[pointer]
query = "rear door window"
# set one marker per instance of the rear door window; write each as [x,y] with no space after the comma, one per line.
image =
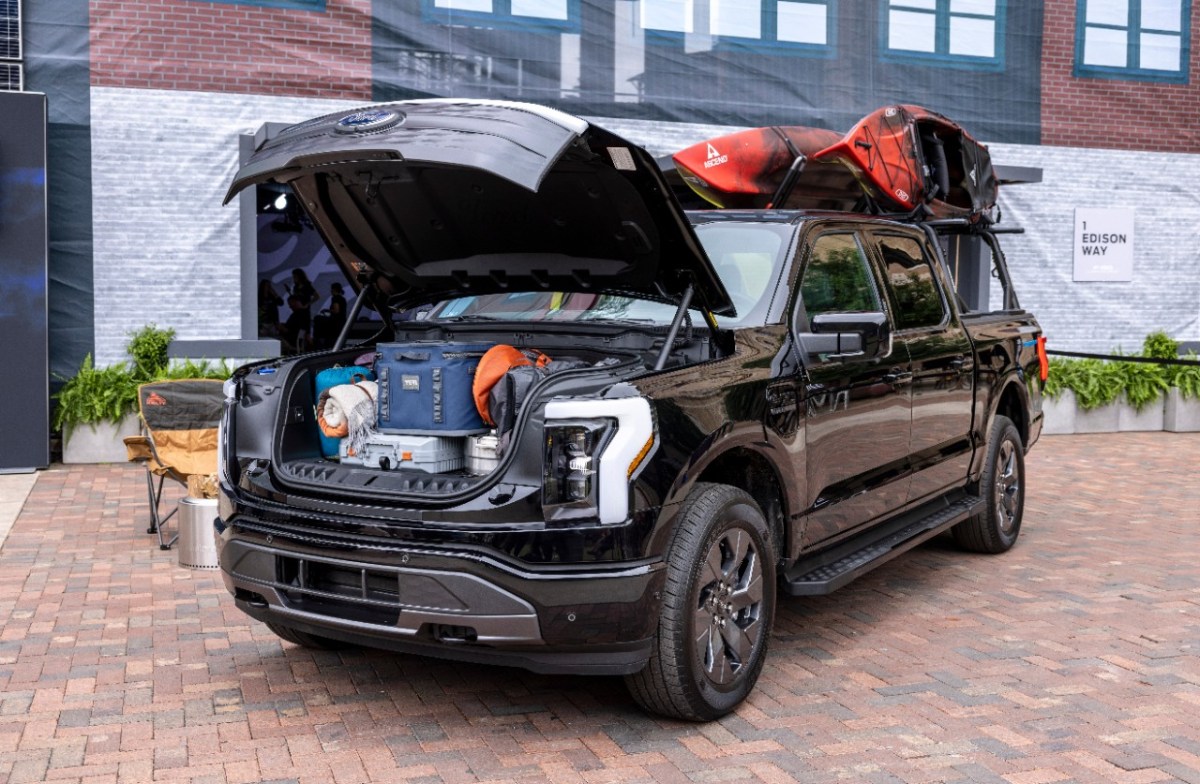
[914,291]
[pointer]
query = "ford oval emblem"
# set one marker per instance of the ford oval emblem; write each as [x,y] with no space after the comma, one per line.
[368,120]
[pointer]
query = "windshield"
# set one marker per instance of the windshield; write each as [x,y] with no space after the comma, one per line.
[746,256]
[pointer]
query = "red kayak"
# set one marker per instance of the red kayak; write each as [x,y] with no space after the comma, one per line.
[745,169]
[899,158]
[906,156]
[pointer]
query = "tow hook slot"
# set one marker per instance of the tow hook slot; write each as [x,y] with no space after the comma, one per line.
[444,632]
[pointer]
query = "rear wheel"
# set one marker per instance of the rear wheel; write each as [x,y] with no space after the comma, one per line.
[304,639]
[995,530]
[718,605]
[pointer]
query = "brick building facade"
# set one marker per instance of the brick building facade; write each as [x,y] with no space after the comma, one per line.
[1104,110]
[229,48]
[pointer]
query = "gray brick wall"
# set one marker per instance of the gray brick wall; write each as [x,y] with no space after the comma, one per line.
[1163,191]
[167,252]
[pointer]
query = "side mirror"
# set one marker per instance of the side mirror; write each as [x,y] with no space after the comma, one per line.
[848,336]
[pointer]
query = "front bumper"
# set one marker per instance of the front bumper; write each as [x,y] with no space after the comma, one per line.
[456,603]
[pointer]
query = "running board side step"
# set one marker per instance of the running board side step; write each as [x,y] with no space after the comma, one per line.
[829,571]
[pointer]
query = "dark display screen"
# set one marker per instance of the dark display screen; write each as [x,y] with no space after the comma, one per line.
[25,442]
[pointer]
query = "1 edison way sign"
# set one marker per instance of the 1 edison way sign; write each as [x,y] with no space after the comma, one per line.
[1103,244]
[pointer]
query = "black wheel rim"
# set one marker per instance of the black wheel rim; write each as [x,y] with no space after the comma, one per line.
[1008,488]
[728,618]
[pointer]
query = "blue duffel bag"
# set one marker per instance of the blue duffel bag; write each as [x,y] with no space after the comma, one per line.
[425,388]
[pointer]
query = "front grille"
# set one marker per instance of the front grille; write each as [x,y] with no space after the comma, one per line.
[338,590]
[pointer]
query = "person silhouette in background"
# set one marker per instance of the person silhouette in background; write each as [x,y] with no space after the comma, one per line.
[296,334]
[268,309]
[303,289]
[337,309]
[327,325]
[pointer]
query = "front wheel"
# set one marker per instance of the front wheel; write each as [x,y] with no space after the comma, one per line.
[718,606]
[995,529]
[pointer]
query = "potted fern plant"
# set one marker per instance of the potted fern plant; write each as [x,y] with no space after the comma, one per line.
[1097,386]
[95,412]
[1099,396]
[1182,411]
[1058,402]
[1143,391]
[1145,385]
[97,407]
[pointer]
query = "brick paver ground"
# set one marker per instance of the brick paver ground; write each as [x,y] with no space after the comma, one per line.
[1075,657]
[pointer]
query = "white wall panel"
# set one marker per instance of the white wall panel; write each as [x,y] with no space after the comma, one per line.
[166,251]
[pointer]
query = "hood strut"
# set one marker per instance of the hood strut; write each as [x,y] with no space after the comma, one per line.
[684,301]
[366,294]
[355,309]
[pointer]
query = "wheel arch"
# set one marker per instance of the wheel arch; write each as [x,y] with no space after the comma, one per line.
[748,469]
[1012,402]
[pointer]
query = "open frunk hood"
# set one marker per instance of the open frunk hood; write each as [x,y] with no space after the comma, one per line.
[451,197]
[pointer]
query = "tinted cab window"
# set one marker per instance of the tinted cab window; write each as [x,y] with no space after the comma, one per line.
[836,278]
[918,302]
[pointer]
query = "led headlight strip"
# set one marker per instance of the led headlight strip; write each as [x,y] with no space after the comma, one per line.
[634,441]
[230,390]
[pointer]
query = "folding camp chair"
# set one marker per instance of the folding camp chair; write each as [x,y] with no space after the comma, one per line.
[178,440]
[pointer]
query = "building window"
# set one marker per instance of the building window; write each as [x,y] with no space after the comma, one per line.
[317,6]
[789,22]
[560,15]
[671,16]
[11,69]
[957,32]
[1132,39]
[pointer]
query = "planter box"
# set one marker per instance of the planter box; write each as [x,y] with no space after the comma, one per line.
[1059,414]
[1105,419]
[1149,418]
[100,443]
[1181,415]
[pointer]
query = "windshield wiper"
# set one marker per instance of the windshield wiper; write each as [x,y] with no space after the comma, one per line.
[473,317]
[636,321]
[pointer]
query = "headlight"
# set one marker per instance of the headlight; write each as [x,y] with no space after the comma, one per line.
[592,449]
[569,463]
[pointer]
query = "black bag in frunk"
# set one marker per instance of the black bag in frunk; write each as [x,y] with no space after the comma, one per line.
[508,395]
[426,388]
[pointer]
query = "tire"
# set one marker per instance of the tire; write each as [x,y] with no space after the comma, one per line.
[306,640]
[995,530]
[718,607]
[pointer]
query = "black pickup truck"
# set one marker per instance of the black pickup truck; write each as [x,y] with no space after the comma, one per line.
[758,401]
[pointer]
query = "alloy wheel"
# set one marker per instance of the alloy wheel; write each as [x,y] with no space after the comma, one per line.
[1008,488]
[728,615]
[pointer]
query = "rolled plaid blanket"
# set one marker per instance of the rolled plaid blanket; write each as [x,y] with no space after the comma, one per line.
[348,411]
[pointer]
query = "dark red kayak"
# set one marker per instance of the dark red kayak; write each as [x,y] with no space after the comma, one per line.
[745,169]
[899,158]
